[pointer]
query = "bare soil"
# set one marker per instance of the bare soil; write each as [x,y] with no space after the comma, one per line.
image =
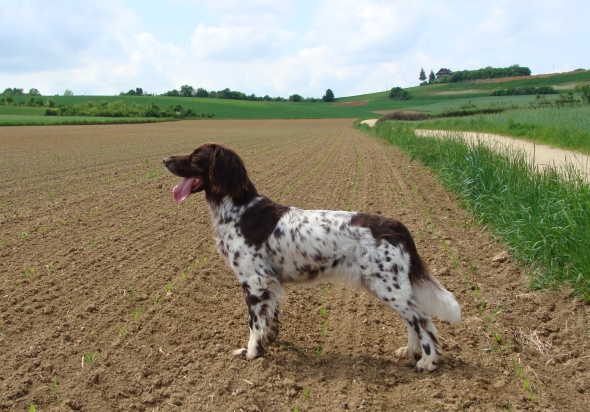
[112,297]
[354,103]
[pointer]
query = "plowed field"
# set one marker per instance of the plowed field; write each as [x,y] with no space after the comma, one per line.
[112,297]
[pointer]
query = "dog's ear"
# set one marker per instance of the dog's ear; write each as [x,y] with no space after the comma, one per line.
[227,173]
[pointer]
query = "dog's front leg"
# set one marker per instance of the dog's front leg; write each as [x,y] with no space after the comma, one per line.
[261,296]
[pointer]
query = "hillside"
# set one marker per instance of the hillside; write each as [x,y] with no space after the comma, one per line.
[432,99]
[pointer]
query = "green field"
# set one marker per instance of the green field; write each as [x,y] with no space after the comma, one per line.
[473,89]
[40,120]
[432,99]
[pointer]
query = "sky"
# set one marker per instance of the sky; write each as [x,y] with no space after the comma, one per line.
[278,47]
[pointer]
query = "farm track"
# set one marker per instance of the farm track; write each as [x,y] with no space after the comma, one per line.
[96,257]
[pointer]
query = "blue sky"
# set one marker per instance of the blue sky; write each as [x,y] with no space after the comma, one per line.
[278,47]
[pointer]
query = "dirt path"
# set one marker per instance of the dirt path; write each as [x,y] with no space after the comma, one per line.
[112,297]
[541,155]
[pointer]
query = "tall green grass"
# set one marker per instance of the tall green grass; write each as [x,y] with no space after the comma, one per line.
[543,215]
[562,127]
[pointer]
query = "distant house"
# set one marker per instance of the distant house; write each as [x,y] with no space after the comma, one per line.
[443,73]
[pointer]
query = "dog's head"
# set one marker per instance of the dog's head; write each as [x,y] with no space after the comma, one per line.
[212,167]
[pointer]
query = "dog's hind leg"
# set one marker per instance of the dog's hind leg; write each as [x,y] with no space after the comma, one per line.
[273,326]
[262,295]
[413,349]
[422,336]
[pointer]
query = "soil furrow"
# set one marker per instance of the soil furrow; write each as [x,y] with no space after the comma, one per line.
[96,258]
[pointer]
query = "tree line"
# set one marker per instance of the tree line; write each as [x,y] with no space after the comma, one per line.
[485,73]
[189,91]
[7,97]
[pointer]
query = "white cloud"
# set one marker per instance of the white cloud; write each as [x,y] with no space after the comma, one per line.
[239,43]
[277,47]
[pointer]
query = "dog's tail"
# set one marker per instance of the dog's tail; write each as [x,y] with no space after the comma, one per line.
[432,297]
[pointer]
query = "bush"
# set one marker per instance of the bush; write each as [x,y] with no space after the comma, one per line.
[403,115]
[397,93]
[584,90]
[50,112]
[295,98]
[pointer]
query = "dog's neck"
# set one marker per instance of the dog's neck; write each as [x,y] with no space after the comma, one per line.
[225,208]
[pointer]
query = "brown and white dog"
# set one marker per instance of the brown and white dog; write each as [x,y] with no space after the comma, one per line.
[267,244]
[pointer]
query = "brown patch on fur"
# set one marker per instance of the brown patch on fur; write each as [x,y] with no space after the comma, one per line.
[259,221]
[396,234]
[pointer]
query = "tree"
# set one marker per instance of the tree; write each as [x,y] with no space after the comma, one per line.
[295,98]
[187,91]
[202,92]
[34,92]
[397,93]
[431,77]
[329,96]
[422,75]
[68,93]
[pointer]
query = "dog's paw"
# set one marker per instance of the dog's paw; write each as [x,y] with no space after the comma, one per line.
[402,353]
[241,353]
[405,352]
[426,365]
[272,335]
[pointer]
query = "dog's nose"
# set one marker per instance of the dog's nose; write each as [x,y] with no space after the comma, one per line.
[166,161]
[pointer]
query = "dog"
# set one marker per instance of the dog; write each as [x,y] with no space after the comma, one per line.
[267,245]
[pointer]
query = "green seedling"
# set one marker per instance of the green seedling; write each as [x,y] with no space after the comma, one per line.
[169,287]
[32,408]
[29,272]
[89,358]
[157,298]
[318,350]
[305,392]
[326,288]
[123,329]
[323,312]
[55,390]
[325,328]
[481,307]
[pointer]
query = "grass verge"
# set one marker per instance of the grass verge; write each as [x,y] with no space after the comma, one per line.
[543,215]
[567,128]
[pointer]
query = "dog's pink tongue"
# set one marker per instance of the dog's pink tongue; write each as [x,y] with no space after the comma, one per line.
[183,190]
